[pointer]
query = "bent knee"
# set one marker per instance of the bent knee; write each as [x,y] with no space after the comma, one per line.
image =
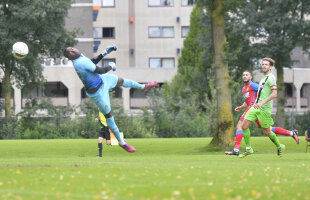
[244,127]
[109,115]
[100,139]
[120,81]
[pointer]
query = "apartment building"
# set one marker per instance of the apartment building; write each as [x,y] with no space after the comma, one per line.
[149,35]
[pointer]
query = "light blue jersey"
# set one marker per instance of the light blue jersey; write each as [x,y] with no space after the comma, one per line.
[85,69]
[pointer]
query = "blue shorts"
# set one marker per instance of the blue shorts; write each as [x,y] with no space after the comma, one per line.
[102,97]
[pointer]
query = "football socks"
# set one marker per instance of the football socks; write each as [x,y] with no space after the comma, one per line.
[280,131]
[247,137]
[100,149]
[274,139]
[115,130]
[132,84]
[239,135]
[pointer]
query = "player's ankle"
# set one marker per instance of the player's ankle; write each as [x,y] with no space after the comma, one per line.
[237,150]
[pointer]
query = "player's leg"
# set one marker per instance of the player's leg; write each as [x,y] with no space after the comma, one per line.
[282,131]
[102,100]
[100,139]
[247,138]
[266,122]
[249,118]
[272,136]
[107,136]
[113,127]
[238,138]
[133,84]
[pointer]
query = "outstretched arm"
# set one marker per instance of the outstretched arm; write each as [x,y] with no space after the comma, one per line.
[97,59]
[103,70]
[108,50]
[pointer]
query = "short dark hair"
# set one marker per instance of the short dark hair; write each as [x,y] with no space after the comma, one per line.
[247,71]
[66,52]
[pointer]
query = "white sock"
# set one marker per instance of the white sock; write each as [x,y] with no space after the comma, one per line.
[237,150]
[122,142]
[291,134]
[248,148]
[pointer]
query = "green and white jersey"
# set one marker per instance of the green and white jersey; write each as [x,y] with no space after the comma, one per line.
[266,85]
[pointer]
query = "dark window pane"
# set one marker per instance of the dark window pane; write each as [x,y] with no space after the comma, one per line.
[108,32]
[55,89]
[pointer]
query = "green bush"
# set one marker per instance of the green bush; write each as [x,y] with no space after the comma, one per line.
[8,126]
[302,122]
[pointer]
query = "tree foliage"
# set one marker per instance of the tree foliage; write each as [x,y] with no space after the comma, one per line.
[41,25]
[276,27]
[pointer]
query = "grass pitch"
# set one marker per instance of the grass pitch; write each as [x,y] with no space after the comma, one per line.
[160,169]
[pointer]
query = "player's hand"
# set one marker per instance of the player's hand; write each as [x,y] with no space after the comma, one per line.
[237,109]
[109,49]
[96,120]
[258,105]
[112,64]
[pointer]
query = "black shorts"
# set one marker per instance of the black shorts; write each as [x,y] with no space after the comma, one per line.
[104,133]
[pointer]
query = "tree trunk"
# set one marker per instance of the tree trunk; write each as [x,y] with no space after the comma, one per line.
[280,116]
[224,131]
[6,88]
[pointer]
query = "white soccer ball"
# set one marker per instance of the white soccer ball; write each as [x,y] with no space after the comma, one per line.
[20,50]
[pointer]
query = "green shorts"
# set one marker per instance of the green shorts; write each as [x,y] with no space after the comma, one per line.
[258,114]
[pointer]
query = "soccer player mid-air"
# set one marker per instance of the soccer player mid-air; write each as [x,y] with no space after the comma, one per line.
[98,84]
[261,109]
[249,92]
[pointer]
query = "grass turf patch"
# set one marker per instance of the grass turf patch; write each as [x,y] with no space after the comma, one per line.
[181,168]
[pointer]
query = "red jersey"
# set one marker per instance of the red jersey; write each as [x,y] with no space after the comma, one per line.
[250,93]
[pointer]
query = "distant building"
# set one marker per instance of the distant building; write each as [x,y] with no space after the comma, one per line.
[149,35]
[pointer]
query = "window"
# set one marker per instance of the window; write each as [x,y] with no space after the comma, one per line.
[161,32]
[32,92]
[160,2]
[105,32]
[55,89]
[104,3]
[155,63]
[166,63]
[288,90]
[105,61]
[188,2]
[185,30]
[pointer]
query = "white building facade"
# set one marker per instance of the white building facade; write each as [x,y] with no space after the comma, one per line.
[149,35]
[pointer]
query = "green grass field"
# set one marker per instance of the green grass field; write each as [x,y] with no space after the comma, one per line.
[160,169]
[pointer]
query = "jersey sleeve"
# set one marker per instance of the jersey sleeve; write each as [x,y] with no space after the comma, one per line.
[254,86]
[272,83]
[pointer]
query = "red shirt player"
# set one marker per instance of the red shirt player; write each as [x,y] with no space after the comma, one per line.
[249,92]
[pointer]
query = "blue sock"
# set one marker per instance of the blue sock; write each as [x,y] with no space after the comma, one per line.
[132,84]
[114,129]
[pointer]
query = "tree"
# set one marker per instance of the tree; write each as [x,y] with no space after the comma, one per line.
[193,66]
[279,26]
[224,132]
[40,24]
